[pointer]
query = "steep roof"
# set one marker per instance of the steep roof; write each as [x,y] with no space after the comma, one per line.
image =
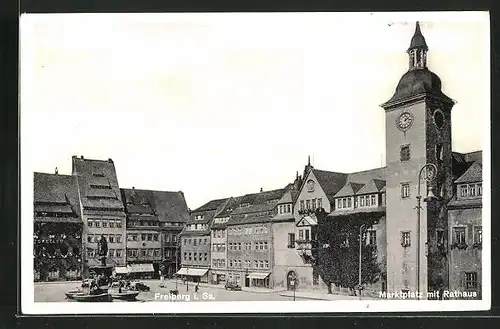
[167,206]
[373,186]
[365,176]
[57,194]
[473,174]
[349,189]
[211,205]
[98,183]
[258,202]
[331,182]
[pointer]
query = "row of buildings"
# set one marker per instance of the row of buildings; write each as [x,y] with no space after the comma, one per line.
[72,212]
[273,238]
[270,239]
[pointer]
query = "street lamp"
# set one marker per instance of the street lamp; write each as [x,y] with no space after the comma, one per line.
[430,175]
[361,228]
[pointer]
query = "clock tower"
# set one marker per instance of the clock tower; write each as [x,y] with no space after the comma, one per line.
[418,132]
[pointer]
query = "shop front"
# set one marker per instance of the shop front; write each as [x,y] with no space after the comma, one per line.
[259,279]
[218,277]
[141,271]
[193,274]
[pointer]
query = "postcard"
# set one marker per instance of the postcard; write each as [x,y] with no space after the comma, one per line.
[255,162]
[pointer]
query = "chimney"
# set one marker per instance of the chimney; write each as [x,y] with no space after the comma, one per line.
[110,161]
[261,190]
[57,171]
[81,157]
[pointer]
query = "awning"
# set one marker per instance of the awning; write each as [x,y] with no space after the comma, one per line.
[192,271]
[92,263]
[258,275]
[121,270]
[136,268]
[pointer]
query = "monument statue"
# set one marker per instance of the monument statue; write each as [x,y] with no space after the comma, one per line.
[102,249]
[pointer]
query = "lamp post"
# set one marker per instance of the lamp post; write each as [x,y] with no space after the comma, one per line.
[430,175]
[361,228]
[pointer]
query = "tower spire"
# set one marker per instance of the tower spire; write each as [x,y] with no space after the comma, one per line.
[418,49]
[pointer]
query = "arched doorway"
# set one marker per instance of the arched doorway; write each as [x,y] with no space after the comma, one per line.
[290,278]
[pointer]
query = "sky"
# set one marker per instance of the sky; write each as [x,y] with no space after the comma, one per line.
[220,105]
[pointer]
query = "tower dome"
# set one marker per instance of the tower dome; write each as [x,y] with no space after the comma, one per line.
[418,80]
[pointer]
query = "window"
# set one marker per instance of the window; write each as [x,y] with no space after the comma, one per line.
[143,252]
[205,240]
[405,190]
[239,245]
[97,223]
[194,242]
[339,203]
[143,237]
[439,152]
[195,256]
[372,237]
[150,237]
[89,238]
[479,189]
[157,252]
[255,264]
[205,256]
[301,235]
[155,237]
[90,252]
[320,203]
[478,234]
[440,238]
[308,204]
[344,203]
[470,280]
[361,201]
[291,240]
[118,239]
[111,223]
[349,202]
[184,241]
[405,239]
[374,202]
[111,238]
[459,235]
[118,252]
[463,190]
[472,190]
[266,264]
[307,235]
[405,153]
[265,245]
[313,202]
[185,256]
[261,264]
[289,208]
[230,263]
[90,223]
[189,256]
[104,223]
[118,223]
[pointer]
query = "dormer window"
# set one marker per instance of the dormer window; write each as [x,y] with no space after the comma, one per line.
[244,205]
[198,217]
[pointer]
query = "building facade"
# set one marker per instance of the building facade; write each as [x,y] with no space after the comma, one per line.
[103,212]
[465,229]
[57,239]
[195,242]
[250,239]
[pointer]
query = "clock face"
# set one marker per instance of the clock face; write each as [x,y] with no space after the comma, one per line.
[404,121]
[439,119]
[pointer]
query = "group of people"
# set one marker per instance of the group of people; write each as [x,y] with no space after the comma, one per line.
[96,283]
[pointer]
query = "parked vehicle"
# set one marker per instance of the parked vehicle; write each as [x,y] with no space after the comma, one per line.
[138,286]
[232,286]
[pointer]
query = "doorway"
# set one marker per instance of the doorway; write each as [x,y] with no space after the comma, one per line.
[289,278]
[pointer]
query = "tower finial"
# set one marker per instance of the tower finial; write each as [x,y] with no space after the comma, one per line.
[308,160]
[418,49]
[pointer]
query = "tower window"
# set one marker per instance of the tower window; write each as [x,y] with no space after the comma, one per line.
[405,153]
[405,239]
[439,152]
[405,190]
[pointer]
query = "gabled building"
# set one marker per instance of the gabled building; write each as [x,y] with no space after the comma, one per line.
[195,242]
[103,212]
[218,241]
[154,220]
[57,231]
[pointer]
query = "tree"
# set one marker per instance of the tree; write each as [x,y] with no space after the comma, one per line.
[338,256]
